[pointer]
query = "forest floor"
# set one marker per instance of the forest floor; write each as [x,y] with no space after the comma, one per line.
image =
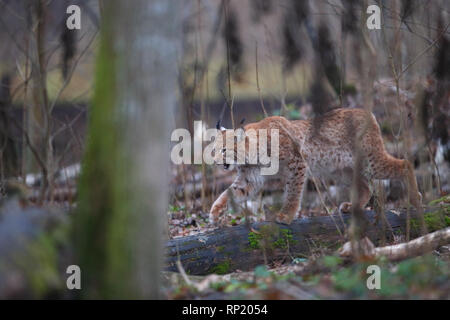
[322,275]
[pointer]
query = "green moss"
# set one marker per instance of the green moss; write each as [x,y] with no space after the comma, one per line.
[286,239]
[407,280]
[104,221]
[271,237]
[444,199]
[331,261]
[220,248]
[40,260]
[435,220]
[253,239]
[264,238]
[222,268]
[44,275]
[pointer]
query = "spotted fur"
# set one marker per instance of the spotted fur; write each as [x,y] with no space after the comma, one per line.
[328,148]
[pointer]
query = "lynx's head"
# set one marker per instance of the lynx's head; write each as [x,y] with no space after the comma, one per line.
[229,147]
[252,145]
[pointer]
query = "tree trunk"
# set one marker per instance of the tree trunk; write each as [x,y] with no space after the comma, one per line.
[123,191]
[8,151]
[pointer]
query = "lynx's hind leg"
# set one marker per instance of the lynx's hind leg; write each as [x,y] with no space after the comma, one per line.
[392,168]
[384,166]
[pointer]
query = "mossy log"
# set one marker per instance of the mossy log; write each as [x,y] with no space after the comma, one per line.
[225,250]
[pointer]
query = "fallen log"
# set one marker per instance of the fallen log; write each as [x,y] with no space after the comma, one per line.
[228,249]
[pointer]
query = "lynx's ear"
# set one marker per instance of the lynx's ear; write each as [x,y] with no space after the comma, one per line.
[218,127]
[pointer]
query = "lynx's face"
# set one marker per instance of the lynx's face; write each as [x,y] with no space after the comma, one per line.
[229,148]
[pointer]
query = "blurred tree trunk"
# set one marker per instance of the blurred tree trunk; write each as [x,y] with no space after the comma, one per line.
[123,190]
[365,59]
[8,154]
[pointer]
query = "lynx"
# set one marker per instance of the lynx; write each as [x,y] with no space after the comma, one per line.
[329,146]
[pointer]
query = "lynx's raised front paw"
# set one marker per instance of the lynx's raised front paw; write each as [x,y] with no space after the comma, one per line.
[215,213]
[283,218]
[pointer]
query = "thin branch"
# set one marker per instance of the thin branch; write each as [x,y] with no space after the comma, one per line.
[257,81]
[423,52]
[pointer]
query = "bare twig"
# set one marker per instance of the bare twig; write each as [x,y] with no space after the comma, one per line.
[257,81]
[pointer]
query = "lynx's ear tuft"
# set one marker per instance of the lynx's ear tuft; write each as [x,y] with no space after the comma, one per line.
[242,121]
[219,127]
